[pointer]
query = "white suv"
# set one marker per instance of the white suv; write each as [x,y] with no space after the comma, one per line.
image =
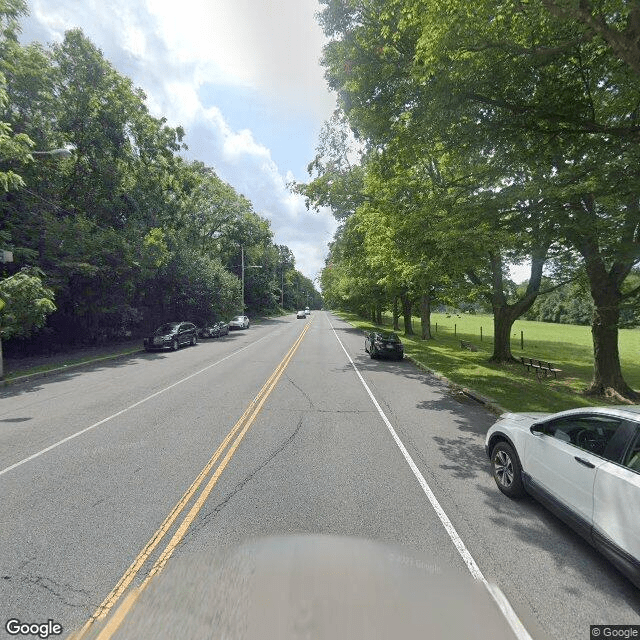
[239,322]
[584,466]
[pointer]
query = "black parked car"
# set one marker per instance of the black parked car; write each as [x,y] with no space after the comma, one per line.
[172,335]
[383,344]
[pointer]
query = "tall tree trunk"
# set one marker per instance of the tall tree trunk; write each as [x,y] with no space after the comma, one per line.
[407,309]
[379,314]
[372,312]
[607,374]
[396,314]
[606,293]
[504,314]
[425,316]
[503,318]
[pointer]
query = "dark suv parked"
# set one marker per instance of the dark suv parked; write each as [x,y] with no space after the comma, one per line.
[172,335]
[383,344]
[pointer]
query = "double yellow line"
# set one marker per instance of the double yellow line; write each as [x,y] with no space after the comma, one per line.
[238,432]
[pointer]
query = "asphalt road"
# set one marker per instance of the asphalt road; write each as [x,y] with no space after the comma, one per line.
[94,462]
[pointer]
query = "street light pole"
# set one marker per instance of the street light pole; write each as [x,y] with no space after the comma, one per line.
[251,266]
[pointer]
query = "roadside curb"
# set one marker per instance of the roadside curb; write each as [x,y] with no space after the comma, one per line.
[489,403]
[67,367]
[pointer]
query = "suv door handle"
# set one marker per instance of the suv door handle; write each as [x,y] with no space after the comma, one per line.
[586,463]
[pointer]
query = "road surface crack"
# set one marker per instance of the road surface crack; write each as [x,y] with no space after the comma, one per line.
[65,593]
[304,393]
[221,505]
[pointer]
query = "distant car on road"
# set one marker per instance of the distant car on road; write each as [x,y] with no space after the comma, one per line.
[239,322]
[307,311]
[383,344]
[584,466]
[301,315]
[172,335]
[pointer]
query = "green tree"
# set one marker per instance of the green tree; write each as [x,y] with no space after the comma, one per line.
[25,304]
[521,74]
[14,146]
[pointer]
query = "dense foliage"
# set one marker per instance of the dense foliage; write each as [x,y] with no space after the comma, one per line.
[488,133]
[125,234]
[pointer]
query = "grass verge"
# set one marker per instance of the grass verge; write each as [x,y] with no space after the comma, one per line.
[569,347]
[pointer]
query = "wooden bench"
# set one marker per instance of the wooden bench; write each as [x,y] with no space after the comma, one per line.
[540,366]
[464,344]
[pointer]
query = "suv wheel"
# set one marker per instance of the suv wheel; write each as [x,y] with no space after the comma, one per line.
[507,471]
[175,344]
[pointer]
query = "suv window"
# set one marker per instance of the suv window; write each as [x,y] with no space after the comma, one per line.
[590,433]
[632,459]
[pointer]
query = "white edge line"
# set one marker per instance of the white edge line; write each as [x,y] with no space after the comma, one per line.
[119,413]
[495,591]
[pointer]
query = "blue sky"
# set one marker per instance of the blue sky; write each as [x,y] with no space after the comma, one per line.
[241,76]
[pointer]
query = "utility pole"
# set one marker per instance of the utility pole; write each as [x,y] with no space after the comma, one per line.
[251,266]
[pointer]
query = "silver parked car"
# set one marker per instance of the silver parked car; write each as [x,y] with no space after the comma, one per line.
[584,466]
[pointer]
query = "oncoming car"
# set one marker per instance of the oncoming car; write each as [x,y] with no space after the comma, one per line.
[383,344]
[301,315]
[584,466]
[172,335]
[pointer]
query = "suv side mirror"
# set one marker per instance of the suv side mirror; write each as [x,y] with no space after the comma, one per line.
[537,427]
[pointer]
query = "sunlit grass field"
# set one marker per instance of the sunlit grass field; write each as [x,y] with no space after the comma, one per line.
[568,347]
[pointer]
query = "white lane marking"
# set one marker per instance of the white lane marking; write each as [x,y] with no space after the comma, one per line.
[495,591]
[133,406]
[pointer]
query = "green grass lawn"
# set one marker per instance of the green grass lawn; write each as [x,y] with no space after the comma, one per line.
[569,347]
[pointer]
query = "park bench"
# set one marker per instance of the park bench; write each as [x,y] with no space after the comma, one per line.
[464,344]
[540,366]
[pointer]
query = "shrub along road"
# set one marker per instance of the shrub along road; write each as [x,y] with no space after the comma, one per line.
[97,463]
